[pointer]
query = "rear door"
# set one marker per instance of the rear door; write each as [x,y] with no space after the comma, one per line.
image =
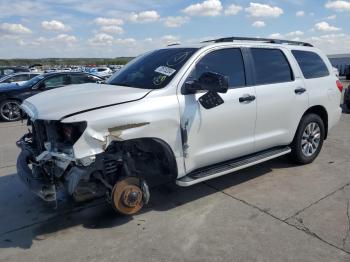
[281,95]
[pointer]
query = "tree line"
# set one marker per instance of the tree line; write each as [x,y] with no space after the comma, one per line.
[65,61]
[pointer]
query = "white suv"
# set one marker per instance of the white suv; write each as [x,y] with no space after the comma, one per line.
[183,113]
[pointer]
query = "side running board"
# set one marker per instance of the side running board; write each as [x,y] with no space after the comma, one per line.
[227,167]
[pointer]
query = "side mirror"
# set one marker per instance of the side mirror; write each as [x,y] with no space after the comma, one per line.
[208,81]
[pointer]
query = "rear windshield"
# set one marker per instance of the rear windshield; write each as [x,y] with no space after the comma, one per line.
[311,64]
[153,70]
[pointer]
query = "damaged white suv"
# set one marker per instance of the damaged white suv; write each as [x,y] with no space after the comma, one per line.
[183,114]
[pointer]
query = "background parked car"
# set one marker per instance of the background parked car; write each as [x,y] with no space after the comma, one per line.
[103,72]
[11,70]
[12,94]
[18,77]
[347,97]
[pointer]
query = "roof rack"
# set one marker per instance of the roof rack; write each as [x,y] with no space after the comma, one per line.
[257,39]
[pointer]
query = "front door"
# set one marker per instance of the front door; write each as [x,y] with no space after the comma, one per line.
[223,132]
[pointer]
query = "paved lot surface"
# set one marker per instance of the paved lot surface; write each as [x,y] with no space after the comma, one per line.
[272,212]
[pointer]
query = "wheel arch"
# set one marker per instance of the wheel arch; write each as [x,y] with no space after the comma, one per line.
[163,152]
[321,112]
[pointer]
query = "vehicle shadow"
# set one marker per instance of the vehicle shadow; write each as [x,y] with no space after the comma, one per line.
[26,219]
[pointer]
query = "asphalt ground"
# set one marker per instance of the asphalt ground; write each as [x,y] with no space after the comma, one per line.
[276,211]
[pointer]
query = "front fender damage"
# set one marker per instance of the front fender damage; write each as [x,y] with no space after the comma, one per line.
[93,176]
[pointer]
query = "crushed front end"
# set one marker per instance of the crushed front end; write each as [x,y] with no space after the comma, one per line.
[46,163]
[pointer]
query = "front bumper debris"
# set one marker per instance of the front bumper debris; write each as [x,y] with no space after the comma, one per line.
[38,184]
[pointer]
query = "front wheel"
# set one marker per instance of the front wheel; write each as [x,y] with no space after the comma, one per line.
[10,110]
[308,140]
[127,196]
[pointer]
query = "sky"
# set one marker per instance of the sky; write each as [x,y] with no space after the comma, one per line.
[114,28]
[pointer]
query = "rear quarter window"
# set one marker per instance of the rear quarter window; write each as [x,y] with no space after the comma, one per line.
[311,64]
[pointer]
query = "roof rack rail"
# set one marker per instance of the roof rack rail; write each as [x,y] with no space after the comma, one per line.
[257,39]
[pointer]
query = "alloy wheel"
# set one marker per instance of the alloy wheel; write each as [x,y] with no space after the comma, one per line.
[311,139]
[10,111]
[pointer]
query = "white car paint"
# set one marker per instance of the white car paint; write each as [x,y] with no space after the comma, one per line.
[74,98]
[225,132]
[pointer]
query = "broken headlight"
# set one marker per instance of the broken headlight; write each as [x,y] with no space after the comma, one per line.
[71,132]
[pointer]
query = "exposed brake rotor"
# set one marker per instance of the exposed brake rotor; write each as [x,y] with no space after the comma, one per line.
[127,196]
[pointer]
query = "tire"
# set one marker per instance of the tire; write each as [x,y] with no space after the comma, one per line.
[10,110]
[308,140]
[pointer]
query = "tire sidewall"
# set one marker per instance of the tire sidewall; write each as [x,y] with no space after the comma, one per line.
[2,103]
[297,150]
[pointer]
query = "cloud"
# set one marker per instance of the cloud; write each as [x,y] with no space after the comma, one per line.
[259,24]
[331,17]
[206,8]
[339,6]
[54,25]
[233,9]
[325,27]
[262,10]
[276,35]
[102,21]
[144,17]
[112,29]
[59,39]
[64,38]
[7,28]
[330,43]
[175,21]
[300,13]
[169,39]
[125,41]
[295,34]
[101,39]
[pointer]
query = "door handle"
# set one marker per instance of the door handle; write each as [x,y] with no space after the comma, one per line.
[246,98]
[299,91]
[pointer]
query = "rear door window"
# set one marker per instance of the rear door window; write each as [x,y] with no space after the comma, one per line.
[311,64]
[271,66]
[55,81]
[18,78]
[82,78]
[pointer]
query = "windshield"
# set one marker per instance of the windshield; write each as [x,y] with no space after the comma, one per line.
[32,81]
[153,70]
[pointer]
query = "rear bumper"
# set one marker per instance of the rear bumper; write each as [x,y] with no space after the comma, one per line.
[36,183]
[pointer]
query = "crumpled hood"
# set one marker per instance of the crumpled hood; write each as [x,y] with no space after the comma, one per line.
[9,87]
[58,103]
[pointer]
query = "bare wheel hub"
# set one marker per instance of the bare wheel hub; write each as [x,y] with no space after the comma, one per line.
[132,196]
[127,196]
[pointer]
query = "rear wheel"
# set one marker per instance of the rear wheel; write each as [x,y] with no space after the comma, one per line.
[127,196]
[309,139]
[10,110]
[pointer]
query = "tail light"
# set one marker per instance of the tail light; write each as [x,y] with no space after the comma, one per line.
[340,86]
